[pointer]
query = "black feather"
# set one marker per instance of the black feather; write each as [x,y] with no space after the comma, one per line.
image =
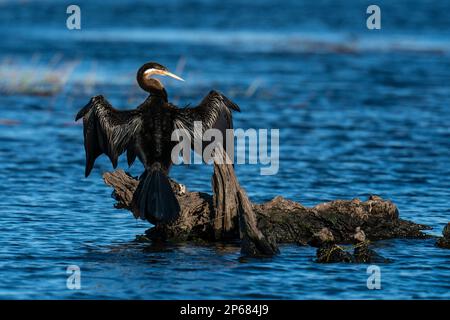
[214,111]
[155,198]
[107,130]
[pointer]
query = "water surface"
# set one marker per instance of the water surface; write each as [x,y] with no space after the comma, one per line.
[360,112]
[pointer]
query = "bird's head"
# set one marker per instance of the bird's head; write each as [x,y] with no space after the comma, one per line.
[148,83]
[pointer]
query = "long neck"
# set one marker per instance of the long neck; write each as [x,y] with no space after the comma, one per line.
[153,100]
[162,94]
[153,86]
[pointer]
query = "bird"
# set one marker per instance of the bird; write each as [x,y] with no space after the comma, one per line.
[145,132]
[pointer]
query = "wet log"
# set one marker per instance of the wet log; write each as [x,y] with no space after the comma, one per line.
[230,201]
[228,214]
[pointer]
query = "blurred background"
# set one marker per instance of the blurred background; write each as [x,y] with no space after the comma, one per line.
[359,111]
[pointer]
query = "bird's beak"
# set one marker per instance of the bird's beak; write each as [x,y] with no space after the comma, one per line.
[170,74]
[149,72]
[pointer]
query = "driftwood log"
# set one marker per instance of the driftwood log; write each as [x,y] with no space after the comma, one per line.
[444,241]
[229,215]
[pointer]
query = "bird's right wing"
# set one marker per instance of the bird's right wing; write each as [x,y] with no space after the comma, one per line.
[107,130]
[213,112]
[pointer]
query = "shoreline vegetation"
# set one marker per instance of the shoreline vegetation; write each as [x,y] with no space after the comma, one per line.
[228,215]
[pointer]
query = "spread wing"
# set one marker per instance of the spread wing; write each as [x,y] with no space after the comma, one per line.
[107,130]
[214,112]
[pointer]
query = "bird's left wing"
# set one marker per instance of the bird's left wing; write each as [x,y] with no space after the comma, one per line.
[214,112]
[107,130]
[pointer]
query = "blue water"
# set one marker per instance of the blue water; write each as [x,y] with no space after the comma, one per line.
[359,112]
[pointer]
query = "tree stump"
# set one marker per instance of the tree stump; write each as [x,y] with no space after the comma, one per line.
[231,202]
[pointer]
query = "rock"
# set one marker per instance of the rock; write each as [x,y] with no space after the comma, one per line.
[331,253]
[142,238]
[322,238]
[444,242]
[363,254]
[446,231]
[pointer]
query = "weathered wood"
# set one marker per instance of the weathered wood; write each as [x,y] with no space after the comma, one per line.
[225,200]
[277,221]
[225,216]
[196,209]
[231,202]
[289,221]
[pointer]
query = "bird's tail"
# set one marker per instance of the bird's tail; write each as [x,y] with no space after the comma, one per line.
[154,197]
